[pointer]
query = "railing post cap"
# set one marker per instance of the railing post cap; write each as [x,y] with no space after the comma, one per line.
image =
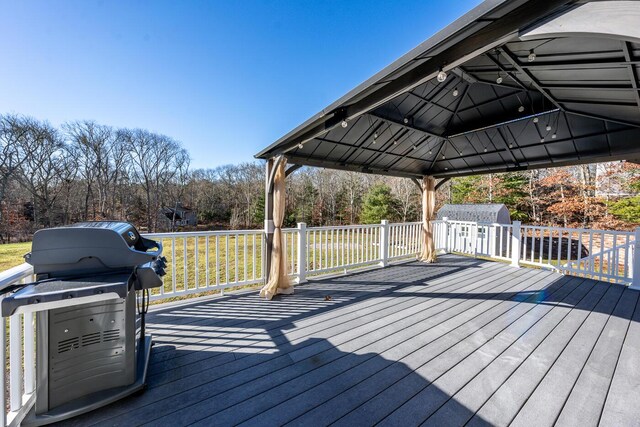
[302,224]
[384,222]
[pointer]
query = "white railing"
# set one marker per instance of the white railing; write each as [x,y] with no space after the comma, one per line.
[608,264]
[342,248]
[597,254]
[212,260]
[18,376]
[200,262]
[404,240]
[331,249]
[477,239]
[206,261]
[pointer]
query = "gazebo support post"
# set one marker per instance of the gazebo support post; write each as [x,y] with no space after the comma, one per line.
[428,207]
[275,274]
[268,218]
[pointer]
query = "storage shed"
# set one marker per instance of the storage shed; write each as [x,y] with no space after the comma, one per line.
[483,239]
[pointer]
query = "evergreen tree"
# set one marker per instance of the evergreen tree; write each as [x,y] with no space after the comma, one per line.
[258,210]
[377,205]
[512,191]
[627,209]
[468,190]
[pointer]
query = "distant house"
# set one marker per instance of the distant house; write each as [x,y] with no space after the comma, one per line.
[178,215]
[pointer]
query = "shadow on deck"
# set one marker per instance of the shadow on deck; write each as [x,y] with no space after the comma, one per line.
[460,341]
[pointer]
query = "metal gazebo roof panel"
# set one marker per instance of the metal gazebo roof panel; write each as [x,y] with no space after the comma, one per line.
[536,94]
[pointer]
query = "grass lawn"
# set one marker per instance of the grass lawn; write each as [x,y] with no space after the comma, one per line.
[236,264]
[230,260]
[227,260]
[12,254]
[186,273]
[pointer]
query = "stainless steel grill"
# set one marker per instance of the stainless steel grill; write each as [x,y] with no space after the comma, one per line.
[85,304]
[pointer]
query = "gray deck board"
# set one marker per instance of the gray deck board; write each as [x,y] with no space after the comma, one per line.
[321,357]
[374,398]
[584,405]
[554,389]
[458,341]
[305,328]
[506,401]
[314,385]
[343,392]
[383,300]
[463,362]
[621,405]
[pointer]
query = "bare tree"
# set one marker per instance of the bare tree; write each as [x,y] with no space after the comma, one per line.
[92,144]
[156,160]
[407,197]
[587,174]
[14,149]
[354,186]
[120,182]
[47,171]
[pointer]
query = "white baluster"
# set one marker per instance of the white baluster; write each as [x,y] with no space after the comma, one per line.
[515,244]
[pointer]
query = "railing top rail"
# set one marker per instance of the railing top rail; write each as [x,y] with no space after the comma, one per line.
[344,227]
[203,233]
[545,227]
[578,230]
[12,275]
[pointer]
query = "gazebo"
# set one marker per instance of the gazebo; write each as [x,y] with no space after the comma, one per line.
[512,85]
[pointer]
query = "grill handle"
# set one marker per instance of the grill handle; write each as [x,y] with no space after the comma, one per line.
[150,244]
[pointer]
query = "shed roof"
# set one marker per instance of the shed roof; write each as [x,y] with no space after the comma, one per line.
[577,102]
[475,207]
[480,212]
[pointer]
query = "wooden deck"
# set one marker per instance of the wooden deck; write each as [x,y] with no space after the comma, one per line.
[459,342]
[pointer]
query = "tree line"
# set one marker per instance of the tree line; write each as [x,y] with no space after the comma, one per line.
[83,171]
[86,171]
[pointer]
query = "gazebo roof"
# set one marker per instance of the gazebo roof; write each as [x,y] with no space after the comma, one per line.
[575,100]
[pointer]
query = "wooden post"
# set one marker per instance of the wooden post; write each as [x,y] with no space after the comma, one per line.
[302,252]
[384,242]
[515,244]
[635,279]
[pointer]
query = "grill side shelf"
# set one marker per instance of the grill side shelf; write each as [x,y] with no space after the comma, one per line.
[53,293]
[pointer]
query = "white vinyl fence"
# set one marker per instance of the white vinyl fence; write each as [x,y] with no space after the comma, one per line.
[216,260]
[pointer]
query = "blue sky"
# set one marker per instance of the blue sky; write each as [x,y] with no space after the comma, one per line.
[225,78]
